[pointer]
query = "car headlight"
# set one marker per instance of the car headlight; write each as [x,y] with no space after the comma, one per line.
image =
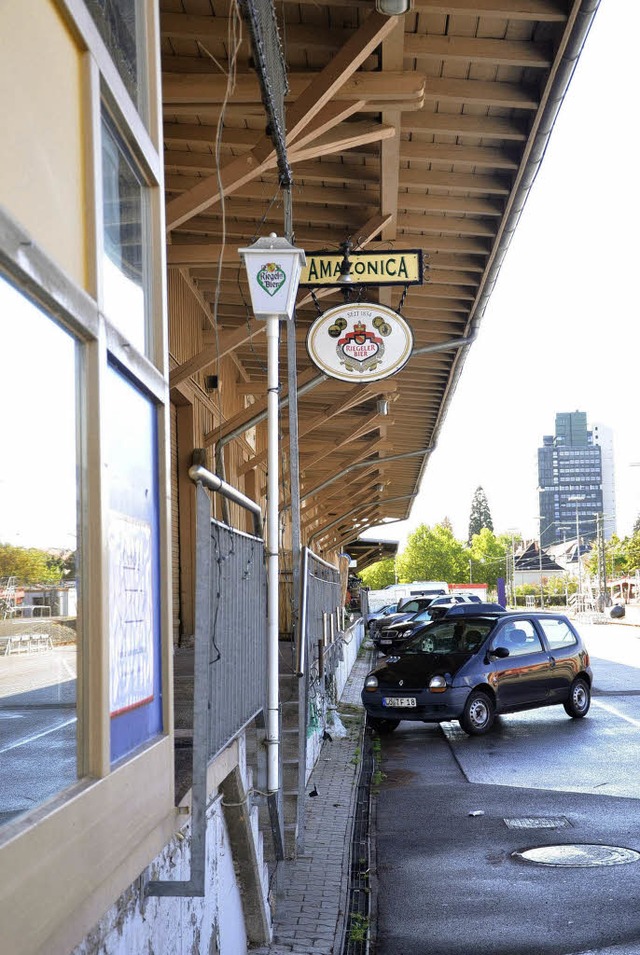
[437,684]
[371,683]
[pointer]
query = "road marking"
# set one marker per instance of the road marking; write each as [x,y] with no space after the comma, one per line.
[615,712]
[32,739]
[70,670]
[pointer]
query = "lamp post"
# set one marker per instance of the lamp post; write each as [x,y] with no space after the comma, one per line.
[577,500]
[273,269]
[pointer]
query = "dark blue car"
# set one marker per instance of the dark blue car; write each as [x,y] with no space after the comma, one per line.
[470,667]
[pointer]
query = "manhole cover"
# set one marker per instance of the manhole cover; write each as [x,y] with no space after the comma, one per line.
[578,855]
[537,822]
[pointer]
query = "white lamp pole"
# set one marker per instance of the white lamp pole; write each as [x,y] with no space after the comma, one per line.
[273,268]
[576,500]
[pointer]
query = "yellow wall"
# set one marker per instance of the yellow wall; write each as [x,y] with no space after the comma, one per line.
[41,147]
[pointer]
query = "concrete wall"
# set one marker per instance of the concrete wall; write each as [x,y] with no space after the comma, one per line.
[212,925]
[325,707]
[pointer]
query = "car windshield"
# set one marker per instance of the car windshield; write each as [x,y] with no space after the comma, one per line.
[422,615]
[448,636]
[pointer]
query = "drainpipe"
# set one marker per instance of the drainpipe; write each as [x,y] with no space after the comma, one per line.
[258,419]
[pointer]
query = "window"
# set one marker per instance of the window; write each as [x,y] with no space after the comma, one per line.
[134,589]
[125,239]
[558,633]
[38,547]
[120,24]
[519,637]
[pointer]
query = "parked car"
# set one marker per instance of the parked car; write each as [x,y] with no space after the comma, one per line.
[471,666]
[394,635]
[406,609]
[381,612]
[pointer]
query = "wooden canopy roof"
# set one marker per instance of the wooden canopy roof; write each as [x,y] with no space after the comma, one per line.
[420,131]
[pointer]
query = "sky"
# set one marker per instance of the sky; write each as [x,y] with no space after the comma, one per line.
[561,330]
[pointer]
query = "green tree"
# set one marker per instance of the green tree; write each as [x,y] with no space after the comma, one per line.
[433,554]
[29,565]
[616,560]
[378,575]
[632,552]
[480,516]
[488,558]
[636,527]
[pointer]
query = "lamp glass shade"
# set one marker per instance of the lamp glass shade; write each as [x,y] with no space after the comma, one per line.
[273,269]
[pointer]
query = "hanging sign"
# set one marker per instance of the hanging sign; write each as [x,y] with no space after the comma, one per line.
[360,342]
[367,268]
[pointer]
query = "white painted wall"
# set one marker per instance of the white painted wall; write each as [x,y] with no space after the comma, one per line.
[213,925]
[351,641]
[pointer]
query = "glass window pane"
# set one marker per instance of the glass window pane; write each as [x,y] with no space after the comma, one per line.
[38,583]
[134,577]
[120,24]
[124,201]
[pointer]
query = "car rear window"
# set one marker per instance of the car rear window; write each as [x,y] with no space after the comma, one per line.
[558,633]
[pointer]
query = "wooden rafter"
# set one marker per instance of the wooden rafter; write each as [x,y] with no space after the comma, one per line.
[311,100]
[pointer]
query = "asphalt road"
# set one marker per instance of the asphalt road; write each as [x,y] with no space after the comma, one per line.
[37,728]
[452,811]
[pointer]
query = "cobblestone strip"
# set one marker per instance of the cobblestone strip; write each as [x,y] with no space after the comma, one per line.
[311,915]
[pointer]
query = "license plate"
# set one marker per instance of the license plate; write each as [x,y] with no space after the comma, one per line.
[385,643]
[399,701]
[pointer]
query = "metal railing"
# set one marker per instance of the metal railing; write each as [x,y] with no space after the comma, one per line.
[230,667]
[321,610]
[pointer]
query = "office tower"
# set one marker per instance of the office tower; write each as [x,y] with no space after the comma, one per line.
[603,437]
[570,479]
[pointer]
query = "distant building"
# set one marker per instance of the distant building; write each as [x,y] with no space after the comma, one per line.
[603,437]
[575,477]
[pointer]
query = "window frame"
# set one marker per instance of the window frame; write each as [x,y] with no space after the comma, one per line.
[97,816]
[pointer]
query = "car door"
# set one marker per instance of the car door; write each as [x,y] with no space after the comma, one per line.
[564,655]
[524,677]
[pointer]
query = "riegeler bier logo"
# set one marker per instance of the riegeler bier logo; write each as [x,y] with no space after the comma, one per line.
[271,277]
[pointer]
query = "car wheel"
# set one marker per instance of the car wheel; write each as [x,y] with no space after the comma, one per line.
[579,700]
[479,713]
[381,725]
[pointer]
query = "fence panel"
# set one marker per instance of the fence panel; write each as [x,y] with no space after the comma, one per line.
[233,607]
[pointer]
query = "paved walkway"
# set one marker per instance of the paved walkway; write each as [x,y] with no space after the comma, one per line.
[313,889]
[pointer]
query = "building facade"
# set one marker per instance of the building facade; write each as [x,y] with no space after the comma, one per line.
[571,482]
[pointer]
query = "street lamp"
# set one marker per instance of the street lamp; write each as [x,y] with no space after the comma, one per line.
[577,499]
[273,269]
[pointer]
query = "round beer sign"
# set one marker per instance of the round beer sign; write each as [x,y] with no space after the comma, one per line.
[361,341]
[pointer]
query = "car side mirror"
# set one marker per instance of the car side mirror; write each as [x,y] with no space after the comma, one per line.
[500,652]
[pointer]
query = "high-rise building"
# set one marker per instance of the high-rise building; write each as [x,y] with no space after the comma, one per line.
[572,486]
[603,437]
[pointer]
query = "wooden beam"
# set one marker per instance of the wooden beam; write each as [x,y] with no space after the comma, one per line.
[207,28]
[245,416]
[464,124]
[547,11]
[477,50]
[316,94]
[447,225]
[227,342]
[346,136]
[508,95]
[369,424]
[481,157]
[469,205]
[210,89]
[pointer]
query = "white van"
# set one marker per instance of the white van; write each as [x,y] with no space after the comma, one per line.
[376,599]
